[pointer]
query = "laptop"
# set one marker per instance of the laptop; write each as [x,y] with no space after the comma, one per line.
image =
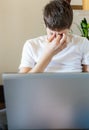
[47,100]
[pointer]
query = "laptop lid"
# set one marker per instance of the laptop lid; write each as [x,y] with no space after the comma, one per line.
[47,100]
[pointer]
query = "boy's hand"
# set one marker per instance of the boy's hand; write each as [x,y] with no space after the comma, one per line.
[51,38]
[56,44]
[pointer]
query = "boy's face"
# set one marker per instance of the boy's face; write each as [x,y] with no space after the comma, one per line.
[56,33]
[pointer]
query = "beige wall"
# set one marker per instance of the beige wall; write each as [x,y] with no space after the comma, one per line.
[76,2]
[19,21]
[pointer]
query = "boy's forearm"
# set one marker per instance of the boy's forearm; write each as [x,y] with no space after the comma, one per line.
[42,64]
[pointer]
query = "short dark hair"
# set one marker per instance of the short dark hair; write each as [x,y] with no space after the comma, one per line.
[58,15]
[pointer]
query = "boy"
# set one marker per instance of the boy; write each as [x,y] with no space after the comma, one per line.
[59,51]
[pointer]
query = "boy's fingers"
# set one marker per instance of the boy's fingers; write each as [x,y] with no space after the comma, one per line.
[51,38]
[63,39]
[58,39]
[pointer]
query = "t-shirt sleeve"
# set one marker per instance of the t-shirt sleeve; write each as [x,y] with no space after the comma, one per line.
[27,59]
[85,60]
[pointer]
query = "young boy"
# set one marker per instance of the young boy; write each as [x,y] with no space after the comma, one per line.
[59,51]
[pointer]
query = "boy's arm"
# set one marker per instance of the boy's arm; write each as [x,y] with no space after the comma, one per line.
[85,68]
[40,66]
[25,70]
[52,49]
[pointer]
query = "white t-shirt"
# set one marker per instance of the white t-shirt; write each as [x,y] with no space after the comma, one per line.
[68,60]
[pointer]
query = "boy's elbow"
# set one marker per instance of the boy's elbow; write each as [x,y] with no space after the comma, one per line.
[25,70]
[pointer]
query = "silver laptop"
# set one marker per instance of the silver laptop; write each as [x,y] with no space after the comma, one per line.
[47,100]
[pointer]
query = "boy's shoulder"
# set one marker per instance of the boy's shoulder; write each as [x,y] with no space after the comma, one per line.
[36,42]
